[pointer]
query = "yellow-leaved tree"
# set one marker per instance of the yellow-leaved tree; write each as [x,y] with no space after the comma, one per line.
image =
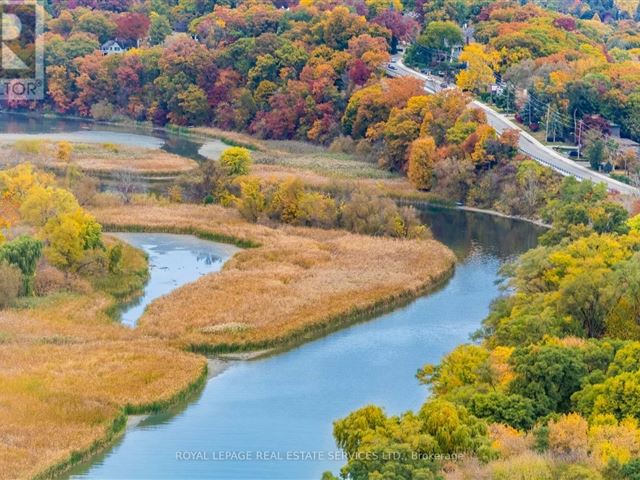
[422,157]
[479,72]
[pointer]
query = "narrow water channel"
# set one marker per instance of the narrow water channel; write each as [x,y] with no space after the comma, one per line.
[15,126]
[272,418]
[174,260]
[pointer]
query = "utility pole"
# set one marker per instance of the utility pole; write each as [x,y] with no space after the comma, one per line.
[546,137]
[580,138]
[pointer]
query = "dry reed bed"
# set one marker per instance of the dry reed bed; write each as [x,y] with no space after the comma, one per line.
[298,282]
[69,374]
[61,402]
[396,187]
[94,158]
[107,158]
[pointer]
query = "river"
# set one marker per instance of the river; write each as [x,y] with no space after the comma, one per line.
[273,416]
[15,127]
[174,260]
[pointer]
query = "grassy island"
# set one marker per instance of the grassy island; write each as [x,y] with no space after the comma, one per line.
[70,372]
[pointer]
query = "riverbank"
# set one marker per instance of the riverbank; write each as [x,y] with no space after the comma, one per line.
[94,158]
[299,282]
[70,374]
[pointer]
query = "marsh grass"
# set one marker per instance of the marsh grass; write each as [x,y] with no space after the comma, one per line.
[98,159]
[69,374]
[297,284]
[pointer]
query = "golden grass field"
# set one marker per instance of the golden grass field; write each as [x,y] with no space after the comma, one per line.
[100,158]
[69,373]
[299,282]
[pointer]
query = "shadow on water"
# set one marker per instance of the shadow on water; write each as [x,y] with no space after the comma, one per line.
[173,143]
[287,402]
[462,231]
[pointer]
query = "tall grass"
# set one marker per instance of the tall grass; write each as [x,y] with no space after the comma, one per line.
[298,283]
[69,374]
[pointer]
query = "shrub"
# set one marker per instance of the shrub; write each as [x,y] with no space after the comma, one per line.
[102,111]
[115,258]
[343,145]
[107,199]
[236,161]
[317,210]
[30,147]
[49,280]
[568,437]
[251,203]
[380,216]
[10,284]
[524,467]
[508,441]
[285,201]
[64,151]
[577,472]
[175,194]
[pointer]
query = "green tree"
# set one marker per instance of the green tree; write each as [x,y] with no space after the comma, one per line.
[497,407]
[595,149]
[404,447]
[548,375]
[159,28]
[584,298]
[23,252]
[194,105]
[437,41]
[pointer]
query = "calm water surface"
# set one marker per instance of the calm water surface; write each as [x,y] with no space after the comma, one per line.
[286,403]
[15,126]
[174,260]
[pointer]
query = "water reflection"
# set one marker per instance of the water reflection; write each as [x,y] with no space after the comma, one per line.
[463,231]
[287,402]
[19,124]
[174,260]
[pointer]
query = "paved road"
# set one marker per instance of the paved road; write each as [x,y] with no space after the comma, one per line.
[528,144]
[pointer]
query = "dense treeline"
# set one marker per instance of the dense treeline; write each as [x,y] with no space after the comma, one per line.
[554,378]
[578,68]
[314,71]
[280,73]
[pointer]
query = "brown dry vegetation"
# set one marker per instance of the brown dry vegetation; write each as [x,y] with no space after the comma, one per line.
[59,399]
[69,373]
[102,158]
[299,282]
[394,187]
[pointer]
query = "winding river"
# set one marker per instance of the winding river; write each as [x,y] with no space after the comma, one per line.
[15,127]
[271,418]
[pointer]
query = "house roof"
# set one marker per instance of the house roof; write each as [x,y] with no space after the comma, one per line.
[110,43]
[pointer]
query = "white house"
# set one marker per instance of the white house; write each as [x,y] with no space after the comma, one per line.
[111,47]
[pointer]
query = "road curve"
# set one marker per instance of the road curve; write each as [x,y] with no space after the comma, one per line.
[529,145]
